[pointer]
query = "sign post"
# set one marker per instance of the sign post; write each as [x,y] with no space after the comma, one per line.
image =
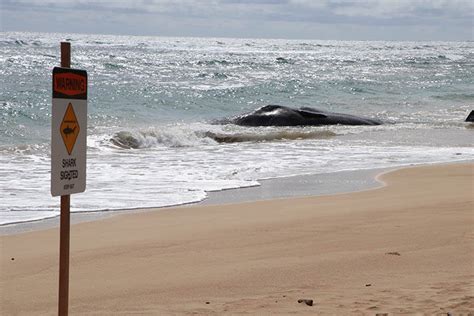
[68,153]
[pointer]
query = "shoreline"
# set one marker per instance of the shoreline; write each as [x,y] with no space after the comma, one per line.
[332,183]
[275,188]
[403,248]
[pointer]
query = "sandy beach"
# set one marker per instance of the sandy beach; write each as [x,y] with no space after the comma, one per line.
[404,248]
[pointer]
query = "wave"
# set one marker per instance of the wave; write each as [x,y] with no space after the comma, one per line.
[213,62]
[282,60]
[142,139]
[20,42]
[270,136]
[166,137]
[175,137]
[97,42]
[26,149]
[113,66]
[434,59]
[215,75]
[423,46]
[456,96]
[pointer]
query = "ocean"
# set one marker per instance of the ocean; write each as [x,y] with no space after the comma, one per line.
[153,102]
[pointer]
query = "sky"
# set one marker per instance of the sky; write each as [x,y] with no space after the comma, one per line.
[429,20]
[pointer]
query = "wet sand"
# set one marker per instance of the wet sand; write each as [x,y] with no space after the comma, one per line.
[407,247]
[275,188]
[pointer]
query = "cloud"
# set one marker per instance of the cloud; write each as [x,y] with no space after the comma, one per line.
[233,16]
[347,8]
[405,8]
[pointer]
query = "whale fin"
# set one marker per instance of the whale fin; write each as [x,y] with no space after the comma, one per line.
[470,117]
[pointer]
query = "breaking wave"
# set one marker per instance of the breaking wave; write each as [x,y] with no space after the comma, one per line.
[175,137]
[157,138]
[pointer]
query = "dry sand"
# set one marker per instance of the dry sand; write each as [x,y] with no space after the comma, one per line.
[404,248]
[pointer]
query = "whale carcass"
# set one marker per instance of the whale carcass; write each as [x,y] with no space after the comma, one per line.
[278,115]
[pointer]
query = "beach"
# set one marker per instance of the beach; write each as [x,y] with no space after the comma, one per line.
[405,247]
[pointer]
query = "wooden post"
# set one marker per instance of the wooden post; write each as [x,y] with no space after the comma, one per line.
[64,229]
[66,54]
[64,256]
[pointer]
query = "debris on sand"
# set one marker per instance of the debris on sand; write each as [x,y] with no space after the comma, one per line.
[306,301]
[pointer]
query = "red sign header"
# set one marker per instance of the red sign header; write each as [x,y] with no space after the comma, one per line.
[69,83]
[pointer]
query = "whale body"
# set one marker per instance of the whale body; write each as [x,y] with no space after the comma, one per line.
[278,115]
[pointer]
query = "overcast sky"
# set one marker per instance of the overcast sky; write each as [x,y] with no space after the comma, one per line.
[303,19]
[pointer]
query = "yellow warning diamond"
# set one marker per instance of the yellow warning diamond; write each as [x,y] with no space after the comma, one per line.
[69,128]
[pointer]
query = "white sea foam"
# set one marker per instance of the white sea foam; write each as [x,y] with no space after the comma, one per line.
[166,174]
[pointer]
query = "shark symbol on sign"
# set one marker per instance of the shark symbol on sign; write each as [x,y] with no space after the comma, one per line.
[69,128]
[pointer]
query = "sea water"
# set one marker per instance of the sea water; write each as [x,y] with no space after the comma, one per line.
[153,102]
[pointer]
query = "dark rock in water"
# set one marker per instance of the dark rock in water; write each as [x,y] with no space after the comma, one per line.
[208,302]
[278,115]
[470,117]
[306,301]
[368,284]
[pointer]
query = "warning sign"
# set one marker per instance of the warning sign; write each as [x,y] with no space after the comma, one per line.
[68,132]
[69,128]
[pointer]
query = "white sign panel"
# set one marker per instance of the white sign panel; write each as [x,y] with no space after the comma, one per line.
[68,131]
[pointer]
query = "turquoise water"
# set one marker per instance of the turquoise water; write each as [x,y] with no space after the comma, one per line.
[162,94]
